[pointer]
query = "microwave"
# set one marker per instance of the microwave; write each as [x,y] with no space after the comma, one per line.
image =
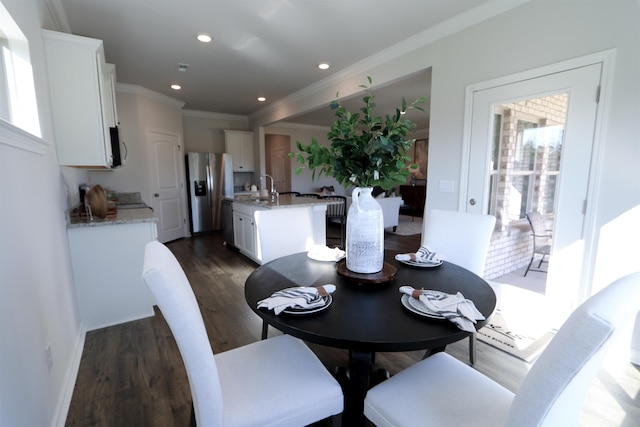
[116,154]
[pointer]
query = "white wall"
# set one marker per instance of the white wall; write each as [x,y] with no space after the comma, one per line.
[37,298]
[204,132]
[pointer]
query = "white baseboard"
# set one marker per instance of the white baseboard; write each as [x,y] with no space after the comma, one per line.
[64,401]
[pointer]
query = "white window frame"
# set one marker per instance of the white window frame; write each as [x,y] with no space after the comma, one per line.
[20,107]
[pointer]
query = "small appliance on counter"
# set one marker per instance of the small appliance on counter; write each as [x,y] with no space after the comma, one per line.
[83,190]
[95,204]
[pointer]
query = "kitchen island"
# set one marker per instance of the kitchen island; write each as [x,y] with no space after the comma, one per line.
[107,257]
[245,233]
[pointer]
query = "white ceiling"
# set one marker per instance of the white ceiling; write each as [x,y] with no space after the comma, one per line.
[265,48]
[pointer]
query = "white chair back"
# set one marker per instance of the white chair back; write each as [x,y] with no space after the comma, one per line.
[169,285]
[284,232]
[461,238]
[443,391]
[555,388]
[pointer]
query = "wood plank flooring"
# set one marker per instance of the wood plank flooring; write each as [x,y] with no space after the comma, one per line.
[132,374]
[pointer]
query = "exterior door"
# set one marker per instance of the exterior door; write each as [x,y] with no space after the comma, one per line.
[166,170]
[544,164]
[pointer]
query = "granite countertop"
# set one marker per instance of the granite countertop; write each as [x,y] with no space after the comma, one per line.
[123,216]
[285,201]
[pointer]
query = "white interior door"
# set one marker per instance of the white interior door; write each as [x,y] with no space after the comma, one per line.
[278,163]
[579,86]
[167,171]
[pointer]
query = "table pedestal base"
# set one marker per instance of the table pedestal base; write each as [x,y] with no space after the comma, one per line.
[356,380]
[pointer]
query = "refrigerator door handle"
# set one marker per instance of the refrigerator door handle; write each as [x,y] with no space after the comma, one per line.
[209,183]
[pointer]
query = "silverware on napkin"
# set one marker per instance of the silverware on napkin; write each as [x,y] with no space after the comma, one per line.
[300,297]
[424,255]
[455,308]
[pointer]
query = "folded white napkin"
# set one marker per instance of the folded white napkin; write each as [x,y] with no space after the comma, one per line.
[456,308]
[424,254]
[298,297]
[325,253]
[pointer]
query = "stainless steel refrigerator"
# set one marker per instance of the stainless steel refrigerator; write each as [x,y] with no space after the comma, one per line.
[210,180]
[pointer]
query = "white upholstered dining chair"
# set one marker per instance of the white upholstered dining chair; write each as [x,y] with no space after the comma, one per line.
[283,232]
[443,391]
[463,239]
[274,382]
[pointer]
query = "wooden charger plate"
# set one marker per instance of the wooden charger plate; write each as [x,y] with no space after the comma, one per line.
[387,274]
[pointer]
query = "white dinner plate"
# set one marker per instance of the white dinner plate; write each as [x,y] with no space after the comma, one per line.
[297,311]
[416,306]
[422,264]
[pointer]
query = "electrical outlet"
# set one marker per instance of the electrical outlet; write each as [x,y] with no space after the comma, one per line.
[49,357]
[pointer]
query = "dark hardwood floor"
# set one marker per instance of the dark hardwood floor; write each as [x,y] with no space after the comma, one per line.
[132,374]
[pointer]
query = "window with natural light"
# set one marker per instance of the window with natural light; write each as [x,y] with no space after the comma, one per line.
[526,154]
[18,104]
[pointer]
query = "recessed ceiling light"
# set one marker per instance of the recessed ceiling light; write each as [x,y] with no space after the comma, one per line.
[262,98]
[204,37]
[324,65]
[176,87]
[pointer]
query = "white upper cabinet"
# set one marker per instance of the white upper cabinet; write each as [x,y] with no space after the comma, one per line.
[81,85]
[240,145]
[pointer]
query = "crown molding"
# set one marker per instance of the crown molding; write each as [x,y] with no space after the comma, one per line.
[214,116]
[139,90]
[302,126]
[458,23]
[58,15]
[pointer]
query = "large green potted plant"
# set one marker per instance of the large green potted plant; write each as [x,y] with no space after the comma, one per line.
[366,150]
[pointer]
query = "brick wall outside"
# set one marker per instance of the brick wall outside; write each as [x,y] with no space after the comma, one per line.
[509,250]
[511,243]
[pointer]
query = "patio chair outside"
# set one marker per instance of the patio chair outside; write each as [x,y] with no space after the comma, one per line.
[541,239]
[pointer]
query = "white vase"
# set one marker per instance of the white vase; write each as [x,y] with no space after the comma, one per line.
[365,233]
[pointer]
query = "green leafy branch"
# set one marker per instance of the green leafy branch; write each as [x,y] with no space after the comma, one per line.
[366,150]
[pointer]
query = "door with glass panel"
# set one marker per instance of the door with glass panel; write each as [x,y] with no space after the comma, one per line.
[530,150]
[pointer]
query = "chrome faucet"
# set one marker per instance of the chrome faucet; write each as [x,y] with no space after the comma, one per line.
[273,192]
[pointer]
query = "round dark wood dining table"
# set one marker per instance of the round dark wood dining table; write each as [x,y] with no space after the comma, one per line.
[366,318]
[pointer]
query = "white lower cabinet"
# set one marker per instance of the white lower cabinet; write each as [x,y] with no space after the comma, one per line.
[245,234]
[107,267]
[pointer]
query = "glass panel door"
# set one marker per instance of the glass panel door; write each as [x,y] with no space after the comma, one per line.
[526,152]
[530,150]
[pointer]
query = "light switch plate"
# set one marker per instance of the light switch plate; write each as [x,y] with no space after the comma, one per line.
[446,186]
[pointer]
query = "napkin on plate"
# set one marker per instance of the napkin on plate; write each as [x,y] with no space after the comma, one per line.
[422,255]
[325,253]
[299,297]
[456,308]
